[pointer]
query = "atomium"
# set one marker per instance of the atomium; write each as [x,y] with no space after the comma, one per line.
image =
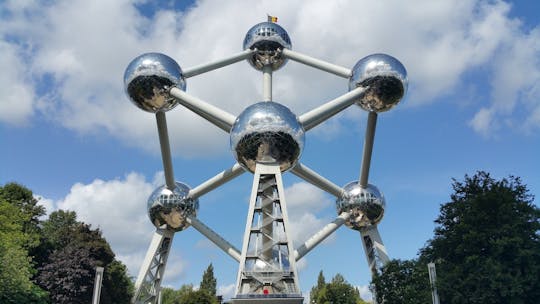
[268,39]
[385,79]
[366,205]
[267,132]
[171,208]
[148,79]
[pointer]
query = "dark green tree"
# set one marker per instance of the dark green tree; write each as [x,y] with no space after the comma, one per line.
[403,282]
[208,281]
[74,250]
[487,243]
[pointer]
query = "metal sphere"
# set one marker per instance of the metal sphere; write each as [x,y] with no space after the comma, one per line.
[171,208]
[148,79]
[366,205]
[385,79]
[267,132]
[269,39]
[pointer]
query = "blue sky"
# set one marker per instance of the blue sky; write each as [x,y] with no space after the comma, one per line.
[69,133]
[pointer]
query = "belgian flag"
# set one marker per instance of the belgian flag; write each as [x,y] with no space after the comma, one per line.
[272,19]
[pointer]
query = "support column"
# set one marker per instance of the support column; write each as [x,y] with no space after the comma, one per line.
[148,284]
[267,270]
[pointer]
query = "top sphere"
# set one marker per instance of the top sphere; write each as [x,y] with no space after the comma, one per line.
[269,39]
[366,205]
[267,132]
[148,79]
[385,79]
[171,208]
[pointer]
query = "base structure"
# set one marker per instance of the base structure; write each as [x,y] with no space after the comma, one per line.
[148,284]
[267,270]
[375,252]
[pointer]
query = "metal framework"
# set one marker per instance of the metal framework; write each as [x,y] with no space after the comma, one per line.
[267,261]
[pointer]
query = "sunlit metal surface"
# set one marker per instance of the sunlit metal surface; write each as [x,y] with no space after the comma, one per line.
[267,132]
[268,38]
[366,205]
[386,80]
[147,81]
[171,208]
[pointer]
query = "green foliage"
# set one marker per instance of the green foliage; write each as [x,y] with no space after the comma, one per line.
[208,281]
[403,282]
[74,250]
[198,297]
[187,295]
[15,264]
[486,244]
[338,291]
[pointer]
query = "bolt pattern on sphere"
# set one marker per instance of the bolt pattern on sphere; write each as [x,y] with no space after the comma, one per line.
[385,79]
[269,39]
[366,205]
[148,79]
[171,208]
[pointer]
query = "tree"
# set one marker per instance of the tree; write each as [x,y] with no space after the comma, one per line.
[198,297]
[338,291]
[403,282]
[74,250]
[208,281]
[15,264]
[171,296]
[487,243]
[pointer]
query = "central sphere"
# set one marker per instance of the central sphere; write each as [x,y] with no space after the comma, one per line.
[171,208]
[267,132]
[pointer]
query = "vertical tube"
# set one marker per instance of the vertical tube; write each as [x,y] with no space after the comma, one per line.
[97,285]
[267,83]
[165,150]
[368,148]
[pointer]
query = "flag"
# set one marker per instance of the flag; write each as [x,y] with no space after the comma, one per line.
[272,19]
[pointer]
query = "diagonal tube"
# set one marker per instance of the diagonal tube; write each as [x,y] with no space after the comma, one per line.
[329,109]
[214,237]
[315,179]
[317,63]
[165,150]
[203,68]
[213,114]
[216,181]
[321,235]
[368,148]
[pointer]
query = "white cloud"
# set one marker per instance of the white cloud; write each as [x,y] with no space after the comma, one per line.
[85,61]
[118,208]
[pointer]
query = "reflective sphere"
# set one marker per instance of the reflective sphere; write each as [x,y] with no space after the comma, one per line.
[267,132]
[269,39]
[171,208]
[386,80]
[147,81]
[366,205]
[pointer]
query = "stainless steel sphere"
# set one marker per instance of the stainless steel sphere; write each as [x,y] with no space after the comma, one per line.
[148,79]
[366,205]
[267,132]
[171,208]
[269,39]
[386,80]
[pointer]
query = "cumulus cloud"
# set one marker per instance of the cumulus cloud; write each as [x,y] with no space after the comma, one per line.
[77,70]
[116,207]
